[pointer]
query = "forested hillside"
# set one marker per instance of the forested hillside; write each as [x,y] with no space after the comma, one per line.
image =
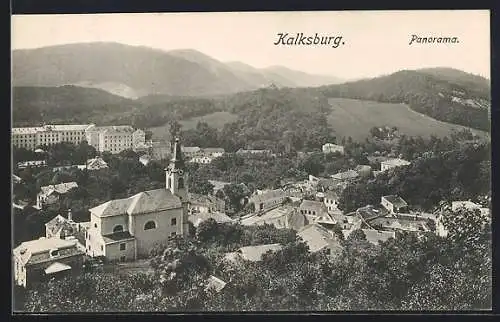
[463,100]
[64,104]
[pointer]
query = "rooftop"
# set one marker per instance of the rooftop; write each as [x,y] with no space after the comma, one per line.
[57,267]
[317,206]
[143,202]
[369,212]
[59,222]
[119,236]
[113,129]
[317,237]
[56,127]
[332,145]
[399,223]
[464,204]
[215,283]
[268,195]
[268,215]
[190,149]
[254,253]
[201,217]
[59,188]
[346,175]
[38,250]
[395,200]
[396,162]
[213,150]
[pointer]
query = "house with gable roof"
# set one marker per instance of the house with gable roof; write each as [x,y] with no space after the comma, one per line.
[51,194]
[319,238]
[394,204]
[42,258]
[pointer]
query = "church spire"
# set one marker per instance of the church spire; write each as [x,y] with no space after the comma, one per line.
[177,162]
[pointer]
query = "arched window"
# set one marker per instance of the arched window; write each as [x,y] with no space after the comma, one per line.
[181,183]
[169,183]
[150,225]
[118,228]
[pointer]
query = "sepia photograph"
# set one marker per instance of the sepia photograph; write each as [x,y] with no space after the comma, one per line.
[314,161]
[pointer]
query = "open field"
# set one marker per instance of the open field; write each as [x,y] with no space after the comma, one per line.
[216,120]
[355,118]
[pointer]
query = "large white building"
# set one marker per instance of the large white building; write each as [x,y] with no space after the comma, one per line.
[32,137]
[115,139]
[103,138]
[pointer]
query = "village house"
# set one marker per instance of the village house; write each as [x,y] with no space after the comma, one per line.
[469,205]
[205,204]
[281,217]
[127,229]
[331,201]
[94,164]
[393,224]
[32,164]
[319,238]
[39,259]
[145,159]
[255,152]
[197,218]
[190,151]
[363,171]
[269,199]
[345,176]
[368,213]
[353,223]
[394,204]
[213,152]
[393,163]
[51,194]
[252,253]
[215,284]
[201,159]
[314,211]
[332,148]
[66,228]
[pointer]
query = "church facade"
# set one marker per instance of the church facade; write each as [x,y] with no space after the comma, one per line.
[127,229]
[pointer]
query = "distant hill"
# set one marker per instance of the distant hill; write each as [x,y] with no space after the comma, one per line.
[133,71]
[445,94]
[38,104]
[355,118]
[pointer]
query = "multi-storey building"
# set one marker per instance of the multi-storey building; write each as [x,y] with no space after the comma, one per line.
[115,139]
[103,138]
[32,137]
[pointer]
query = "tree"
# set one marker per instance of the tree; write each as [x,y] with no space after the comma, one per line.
[204,187]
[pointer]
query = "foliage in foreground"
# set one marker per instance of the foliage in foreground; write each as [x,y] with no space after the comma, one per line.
[406,273]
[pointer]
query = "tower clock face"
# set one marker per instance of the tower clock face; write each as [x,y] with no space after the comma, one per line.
[181,172]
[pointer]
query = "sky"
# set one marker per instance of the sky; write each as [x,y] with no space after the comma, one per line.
[375,42]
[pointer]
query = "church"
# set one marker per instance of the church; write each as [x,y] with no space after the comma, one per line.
[127,229]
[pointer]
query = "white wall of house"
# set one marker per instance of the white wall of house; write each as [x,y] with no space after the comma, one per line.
[165,228]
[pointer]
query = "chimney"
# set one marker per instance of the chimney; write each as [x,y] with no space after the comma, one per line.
[70,216]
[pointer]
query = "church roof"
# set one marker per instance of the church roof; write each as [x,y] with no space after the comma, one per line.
[143,202]
[153,200]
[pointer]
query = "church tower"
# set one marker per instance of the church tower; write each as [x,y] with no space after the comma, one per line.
[177,181]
